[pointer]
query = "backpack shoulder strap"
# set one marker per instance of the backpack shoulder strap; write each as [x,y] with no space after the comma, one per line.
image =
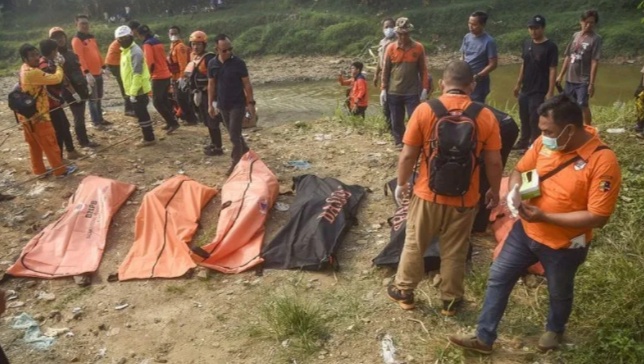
[438,108]
[473,110]
[569,162]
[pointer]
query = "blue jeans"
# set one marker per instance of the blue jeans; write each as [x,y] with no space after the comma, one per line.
[482,90]
[578,92]
[520,252]
[397,105]
[95,106]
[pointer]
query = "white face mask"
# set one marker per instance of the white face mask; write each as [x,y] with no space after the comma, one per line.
[174,38]
[389,32]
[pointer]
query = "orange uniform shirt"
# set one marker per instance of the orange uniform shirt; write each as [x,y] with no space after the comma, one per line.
[419,130]
[358,96]
[113,56]
[591,184]
[155,57]
[404,69]
[178,59]
[88,54]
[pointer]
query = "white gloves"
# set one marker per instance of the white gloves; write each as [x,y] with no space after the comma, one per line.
[107,72]
[214,106]
[423,95]
[513,200]
[400,193]
[91,81]
[60,60]
[196,98]
[182,84]
[383,97]
[133,99]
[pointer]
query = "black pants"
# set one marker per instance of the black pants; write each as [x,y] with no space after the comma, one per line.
[3,357]
[160,98]
[528,105]
[61,126]
[211,123]
[509,133]
[116,72]
[387,113]
[233,119]
[145,122]
[78,110]
[182,98]
[360,110]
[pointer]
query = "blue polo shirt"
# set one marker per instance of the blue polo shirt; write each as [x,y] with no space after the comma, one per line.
[477,51]
[230,88]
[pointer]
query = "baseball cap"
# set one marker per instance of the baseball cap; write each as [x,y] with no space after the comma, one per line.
[122,31]
[537,21]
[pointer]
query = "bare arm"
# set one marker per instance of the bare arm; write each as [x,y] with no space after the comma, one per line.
[211,91]
[491,66]
[576,219]
[552,79]
[248,89]
[406,162]
[517,88]
[564,69]
[493,169]
[594,64]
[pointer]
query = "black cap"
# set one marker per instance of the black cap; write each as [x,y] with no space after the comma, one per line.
[537,21]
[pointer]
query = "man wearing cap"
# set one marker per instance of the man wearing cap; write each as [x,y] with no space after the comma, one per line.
[479,51]
[404,73]
[136,81]
[77,94]
[536,80]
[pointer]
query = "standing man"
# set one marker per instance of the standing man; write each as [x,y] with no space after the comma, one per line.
[403,73]
[580,182]
[77,92]
[389,37]
[582,60]
[432,211]
[113,63]
[231,94]
[157,62]
[38,130]
[536,81]
[136,81]
[177,61]
[479,51]
[85,46]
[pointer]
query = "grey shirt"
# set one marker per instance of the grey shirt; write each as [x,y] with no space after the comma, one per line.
[582,50]
[478,50]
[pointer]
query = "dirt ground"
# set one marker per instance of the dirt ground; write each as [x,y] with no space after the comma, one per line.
[214,320]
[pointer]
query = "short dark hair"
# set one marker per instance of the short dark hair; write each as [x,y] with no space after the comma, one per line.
[358,65]
[81,16]
[588,13]
[143,30]
[388,19]
[25,49]
[563,111]
[221,36]
[47,46]
[458,73]
[175,27]
[134,25]
[481,15]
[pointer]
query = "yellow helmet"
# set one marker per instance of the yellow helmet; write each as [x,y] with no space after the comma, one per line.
[198,36]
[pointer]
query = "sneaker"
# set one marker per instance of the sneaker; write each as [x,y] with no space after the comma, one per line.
[211,150]
[90,145]
[74,154]
[550,340]
[171,129]
[69,170]
[451,307]
[145,143]
[405,300]
[521,145]
[130,113]
[471,343]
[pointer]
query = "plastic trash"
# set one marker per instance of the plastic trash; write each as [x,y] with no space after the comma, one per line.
[33,335]
[281,206]
[616,130]
[299,164]
[388,350]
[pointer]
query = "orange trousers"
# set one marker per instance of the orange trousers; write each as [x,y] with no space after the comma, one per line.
[41,138]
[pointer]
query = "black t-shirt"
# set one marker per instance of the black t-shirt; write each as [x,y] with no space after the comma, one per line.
[537,60]
[230,88]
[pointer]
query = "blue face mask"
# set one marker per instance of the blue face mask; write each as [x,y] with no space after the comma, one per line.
[552,143]
[389,32]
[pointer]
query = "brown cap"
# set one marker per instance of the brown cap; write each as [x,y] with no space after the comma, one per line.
[403,25]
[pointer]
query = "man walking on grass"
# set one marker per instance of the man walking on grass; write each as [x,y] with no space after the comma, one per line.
[536,81]
[230,93]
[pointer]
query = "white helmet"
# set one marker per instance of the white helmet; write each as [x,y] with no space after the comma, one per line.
[122,31]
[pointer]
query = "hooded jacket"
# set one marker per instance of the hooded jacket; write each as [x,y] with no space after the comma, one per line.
[74,73]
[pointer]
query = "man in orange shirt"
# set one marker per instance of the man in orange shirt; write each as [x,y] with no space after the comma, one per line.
[579,184]
[113,63]
[156,60]
[358,96]
[85,46]
[178,60]
[433,211]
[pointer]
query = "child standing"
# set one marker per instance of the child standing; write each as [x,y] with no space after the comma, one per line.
[358,96]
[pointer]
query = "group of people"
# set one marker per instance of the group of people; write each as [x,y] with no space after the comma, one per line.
[456,140]
[189,83]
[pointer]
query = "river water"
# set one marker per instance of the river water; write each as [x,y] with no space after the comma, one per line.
[308,100]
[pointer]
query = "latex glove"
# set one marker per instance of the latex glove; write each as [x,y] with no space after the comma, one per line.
[423,95]
[91,81]
[513,200]
[383,97]
[133,99]
[182,84]
[213,111]
[106,72]
[60,60]
[400,194]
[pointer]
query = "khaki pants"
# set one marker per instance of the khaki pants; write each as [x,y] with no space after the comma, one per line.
[452,225]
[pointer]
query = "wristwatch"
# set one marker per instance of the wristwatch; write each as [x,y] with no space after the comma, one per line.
[252,102]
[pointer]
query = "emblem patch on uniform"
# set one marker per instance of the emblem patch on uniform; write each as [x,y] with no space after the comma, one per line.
[580,165]
[604,186]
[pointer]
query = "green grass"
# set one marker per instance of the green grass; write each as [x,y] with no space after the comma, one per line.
[310,27]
